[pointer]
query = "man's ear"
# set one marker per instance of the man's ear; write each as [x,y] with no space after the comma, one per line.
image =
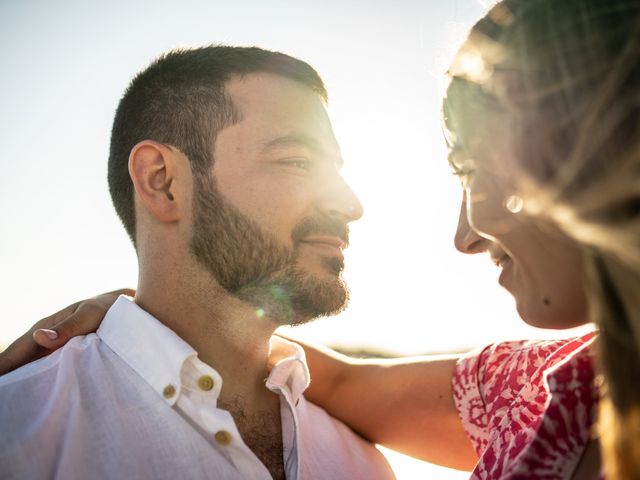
[153,168]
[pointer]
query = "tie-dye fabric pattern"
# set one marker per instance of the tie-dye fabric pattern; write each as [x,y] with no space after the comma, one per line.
[527,406]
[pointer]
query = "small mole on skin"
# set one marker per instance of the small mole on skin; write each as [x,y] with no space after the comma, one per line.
[546,301]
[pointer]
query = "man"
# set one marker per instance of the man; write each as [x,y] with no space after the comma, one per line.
[225,172]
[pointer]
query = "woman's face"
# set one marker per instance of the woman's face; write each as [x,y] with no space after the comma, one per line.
[541,267]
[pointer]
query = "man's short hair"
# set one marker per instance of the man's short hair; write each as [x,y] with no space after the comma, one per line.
[181,100]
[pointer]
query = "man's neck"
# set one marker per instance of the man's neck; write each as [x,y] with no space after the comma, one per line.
[226,332]
[230,337]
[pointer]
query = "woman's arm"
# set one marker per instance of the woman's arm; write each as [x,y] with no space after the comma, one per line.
[405,404]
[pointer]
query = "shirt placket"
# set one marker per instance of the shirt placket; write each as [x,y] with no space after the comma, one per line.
[218,426]
[290,432]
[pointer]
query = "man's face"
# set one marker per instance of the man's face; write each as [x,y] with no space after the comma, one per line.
[271,222]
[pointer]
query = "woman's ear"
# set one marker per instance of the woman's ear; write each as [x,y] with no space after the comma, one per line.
[153,168]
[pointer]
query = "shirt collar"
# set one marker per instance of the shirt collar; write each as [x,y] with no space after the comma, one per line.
[289,367]
[158,354]
[154,351]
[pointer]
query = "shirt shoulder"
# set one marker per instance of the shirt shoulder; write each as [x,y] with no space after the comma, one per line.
[84,412]
[41,396]
[323,436]
[37,401]
[30,391]
[47,367]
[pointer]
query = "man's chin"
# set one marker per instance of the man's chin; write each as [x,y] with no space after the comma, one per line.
[297,298]
[311,264]
[322,299]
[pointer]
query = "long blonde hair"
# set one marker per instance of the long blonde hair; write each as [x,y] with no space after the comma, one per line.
[567,72]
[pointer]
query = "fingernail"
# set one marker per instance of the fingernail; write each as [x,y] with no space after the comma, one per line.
[51,334]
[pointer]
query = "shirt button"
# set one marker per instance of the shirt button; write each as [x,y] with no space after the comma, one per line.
[223,437]
[169,391]
[205,383]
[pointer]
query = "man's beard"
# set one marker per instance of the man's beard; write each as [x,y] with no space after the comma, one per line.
[255,267]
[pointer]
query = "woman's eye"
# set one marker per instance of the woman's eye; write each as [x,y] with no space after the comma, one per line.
[465,175]
[461,165]
[463,172]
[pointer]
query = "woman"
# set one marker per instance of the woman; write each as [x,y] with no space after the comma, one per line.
[586,180]
[571,92]
[518,117]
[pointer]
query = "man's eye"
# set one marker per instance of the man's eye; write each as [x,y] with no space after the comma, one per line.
[301,163]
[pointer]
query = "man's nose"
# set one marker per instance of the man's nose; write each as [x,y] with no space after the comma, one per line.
[466,239]
[339,201]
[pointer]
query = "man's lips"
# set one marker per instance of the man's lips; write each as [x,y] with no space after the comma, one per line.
[331,244]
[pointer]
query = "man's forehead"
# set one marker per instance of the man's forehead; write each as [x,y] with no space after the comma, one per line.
[256,85]
[278,112]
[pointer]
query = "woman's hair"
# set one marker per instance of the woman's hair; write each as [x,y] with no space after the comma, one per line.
[567,73]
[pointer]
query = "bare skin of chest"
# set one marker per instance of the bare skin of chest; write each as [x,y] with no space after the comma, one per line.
[262,432]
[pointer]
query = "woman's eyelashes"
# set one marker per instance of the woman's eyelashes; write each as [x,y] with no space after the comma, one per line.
[461,166]
[463,172]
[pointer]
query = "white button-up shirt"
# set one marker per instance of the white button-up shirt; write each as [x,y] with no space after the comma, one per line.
[134,401]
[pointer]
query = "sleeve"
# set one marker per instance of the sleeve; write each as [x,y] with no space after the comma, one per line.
[486,381]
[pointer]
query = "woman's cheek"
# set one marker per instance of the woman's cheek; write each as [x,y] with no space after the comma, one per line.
[486,212]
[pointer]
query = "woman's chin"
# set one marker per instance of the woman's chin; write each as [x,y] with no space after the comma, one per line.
[547,317]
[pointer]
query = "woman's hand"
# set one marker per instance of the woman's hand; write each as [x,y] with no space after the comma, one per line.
[54,331]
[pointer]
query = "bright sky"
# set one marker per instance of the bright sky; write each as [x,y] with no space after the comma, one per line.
[65,66]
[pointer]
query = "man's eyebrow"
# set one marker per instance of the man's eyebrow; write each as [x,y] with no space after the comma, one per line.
[294,139]
[299,139]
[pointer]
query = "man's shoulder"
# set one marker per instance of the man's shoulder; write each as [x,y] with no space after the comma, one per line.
[50,366]
[37,399]
[32,388]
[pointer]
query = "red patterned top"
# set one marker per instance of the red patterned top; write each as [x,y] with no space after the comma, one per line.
[527,406]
